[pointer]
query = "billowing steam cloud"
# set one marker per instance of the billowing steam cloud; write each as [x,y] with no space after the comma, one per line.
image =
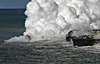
[54,18]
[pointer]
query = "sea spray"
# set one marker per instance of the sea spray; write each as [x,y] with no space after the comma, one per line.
[54,18]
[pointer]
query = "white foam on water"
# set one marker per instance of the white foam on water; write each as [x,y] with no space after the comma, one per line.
[54,18]
[93,49]
[97,46]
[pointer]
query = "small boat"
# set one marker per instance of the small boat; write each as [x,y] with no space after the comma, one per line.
[89,39]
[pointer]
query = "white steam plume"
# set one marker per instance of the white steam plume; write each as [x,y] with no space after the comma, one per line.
[54,18]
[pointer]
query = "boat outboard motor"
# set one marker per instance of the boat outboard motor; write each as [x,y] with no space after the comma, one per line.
[69,35]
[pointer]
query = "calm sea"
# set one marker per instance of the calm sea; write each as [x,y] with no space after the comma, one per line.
[40,52]
[11,23]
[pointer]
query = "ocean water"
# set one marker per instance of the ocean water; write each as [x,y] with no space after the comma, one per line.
[55,51]
[11,23]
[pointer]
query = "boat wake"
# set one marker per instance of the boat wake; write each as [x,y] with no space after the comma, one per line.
[93,49]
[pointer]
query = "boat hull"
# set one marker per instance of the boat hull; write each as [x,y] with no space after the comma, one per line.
[85,42]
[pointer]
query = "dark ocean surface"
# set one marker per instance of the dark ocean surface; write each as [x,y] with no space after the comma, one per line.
[11,23]
[56,51]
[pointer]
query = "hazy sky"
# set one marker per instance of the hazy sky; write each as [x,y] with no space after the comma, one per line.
[13,3]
